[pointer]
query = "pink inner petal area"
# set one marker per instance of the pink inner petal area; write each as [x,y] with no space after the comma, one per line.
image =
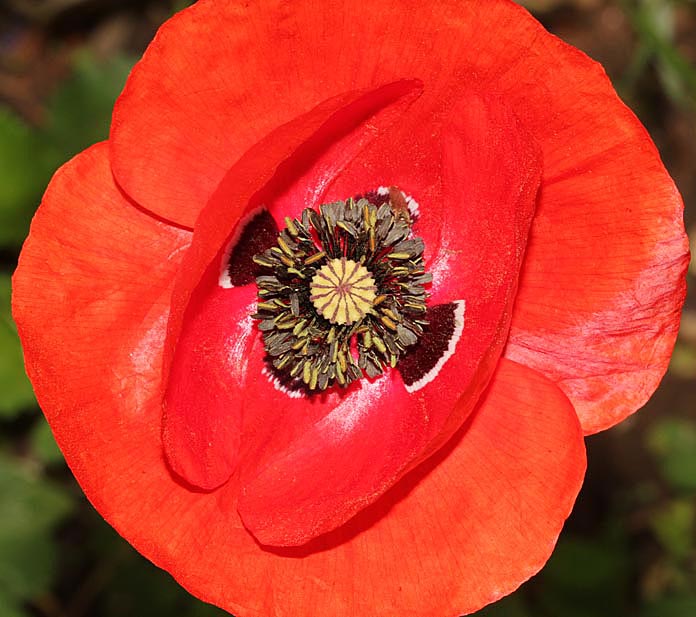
[201,423]
[209,325]
[313,472]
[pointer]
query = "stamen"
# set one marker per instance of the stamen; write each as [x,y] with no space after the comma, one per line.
[341,294]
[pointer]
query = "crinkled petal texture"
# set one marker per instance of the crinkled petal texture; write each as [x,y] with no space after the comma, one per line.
[379,501]
[466,527]
[502,486]
[312,464]
[598,305]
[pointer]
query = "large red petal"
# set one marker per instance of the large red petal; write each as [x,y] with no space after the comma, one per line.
[316,469]
[604,280]
[459,533]
[91,299]
[203,100]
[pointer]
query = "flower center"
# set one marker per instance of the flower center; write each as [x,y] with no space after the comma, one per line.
[342,291]
[341,294]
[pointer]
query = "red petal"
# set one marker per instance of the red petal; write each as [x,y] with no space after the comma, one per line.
[604,277]
[319,462]
[212,118]
[438,544]
[459,533]
[203,101]
[91,298]
[201,426]
[312,478]
[202,423]
[604,337]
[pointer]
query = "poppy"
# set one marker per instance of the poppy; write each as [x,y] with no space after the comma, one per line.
[321,327]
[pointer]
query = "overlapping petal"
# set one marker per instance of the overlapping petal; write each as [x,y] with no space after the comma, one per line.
[101,284]
[202,424]
[210,327]
[604,279]
[398,508]
[588,137]
[318,468]
[445,525]
[431,546]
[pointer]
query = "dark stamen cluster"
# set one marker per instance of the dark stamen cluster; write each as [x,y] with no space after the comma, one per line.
[304,348]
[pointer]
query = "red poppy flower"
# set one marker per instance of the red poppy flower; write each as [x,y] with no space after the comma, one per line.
[342,436]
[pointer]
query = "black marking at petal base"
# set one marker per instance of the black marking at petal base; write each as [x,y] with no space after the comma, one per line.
[258,234]
[374,197]
[445,323]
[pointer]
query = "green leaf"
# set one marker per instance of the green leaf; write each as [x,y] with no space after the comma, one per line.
[654,23]
[201,609]
[27,565]
[674,527]
[30,507]
[28,503]
[16,393]
[673,442]
[587,577]
[79,113]
[511,606]
[683,605]
[139,588]
[683,361]
[43,444]
[23,176]
[9,607]
[180,5]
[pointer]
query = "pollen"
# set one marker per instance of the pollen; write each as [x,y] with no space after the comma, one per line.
[343,291]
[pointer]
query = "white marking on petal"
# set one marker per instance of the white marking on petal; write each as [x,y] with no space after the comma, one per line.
[352,410]
[412,204]
[224,279]
[139,380]
[236,344]
[449,352]
[279,386]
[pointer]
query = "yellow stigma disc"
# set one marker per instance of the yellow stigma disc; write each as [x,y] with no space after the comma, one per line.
[343,291]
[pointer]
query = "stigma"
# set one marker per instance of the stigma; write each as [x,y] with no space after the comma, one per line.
[342,291]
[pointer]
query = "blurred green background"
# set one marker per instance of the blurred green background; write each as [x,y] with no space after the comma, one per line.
[630,546]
